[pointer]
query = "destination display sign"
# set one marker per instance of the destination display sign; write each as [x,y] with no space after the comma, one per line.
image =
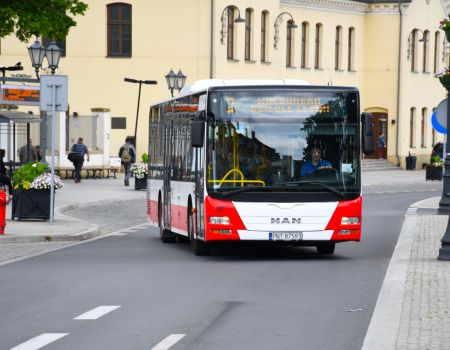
[307,105]
[20,95]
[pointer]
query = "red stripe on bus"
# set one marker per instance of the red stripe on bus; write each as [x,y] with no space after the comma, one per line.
[153,211]
[178,217]
[351,208]
[215,207]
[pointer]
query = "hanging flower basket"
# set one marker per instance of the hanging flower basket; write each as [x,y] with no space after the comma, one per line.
[444,77]
[444,24]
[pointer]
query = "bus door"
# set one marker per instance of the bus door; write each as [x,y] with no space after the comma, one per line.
[197,164]
[167,173]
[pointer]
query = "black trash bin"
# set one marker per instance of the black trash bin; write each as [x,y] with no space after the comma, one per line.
[411,162]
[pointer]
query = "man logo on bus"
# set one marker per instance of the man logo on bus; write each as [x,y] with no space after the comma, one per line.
[285,220]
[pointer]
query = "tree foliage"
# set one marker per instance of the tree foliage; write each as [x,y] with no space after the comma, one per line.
[46,18]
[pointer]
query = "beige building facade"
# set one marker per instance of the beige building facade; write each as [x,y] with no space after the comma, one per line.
[389,52]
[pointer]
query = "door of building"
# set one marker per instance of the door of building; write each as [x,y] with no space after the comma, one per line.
[380,125]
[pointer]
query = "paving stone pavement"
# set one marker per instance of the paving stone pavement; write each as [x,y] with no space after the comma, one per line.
[413,307]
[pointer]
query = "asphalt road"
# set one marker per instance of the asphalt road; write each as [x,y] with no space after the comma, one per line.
[241,298]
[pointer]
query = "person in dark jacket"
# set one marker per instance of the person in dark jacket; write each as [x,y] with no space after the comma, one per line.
[127,155]
[5,180]
[80,151]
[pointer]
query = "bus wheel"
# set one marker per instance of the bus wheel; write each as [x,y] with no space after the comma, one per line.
[327,248]
[165,235]
[198,247]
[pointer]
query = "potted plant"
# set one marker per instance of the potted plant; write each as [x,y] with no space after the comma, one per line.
[31,195]
[140,173]
[434,170]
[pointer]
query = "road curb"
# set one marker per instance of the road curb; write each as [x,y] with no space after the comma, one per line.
[91,232]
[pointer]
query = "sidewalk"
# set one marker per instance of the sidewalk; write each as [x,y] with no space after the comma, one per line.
[97,192]
[413,307]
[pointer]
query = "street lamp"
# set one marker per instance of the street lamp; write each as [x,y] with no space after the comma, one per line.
[278,21]
[224,17]
[175,81]
[411,42]
[38,52]
[140,82]
[444,204]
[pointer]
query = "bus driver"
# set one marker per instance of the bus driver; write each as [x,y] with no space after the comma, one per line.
[315,162]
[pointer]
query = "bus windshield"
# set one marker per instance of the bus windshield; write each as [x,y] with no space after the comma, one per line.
[283,140]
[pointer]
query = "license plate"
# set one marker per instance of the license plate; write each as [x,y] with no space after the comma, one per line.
[285,236]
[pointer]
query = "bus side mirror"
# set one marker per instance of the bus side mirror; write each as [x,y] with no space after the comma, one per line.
[367,133]
[198,130]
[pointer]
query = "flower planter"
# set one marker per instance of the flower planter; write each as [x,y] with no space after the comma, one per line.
[433,173]
[31,204]
[445,81]
[140,184]
[447,35]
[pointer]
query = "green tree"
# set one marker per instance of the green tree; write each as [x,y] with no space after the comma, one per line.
[47,18]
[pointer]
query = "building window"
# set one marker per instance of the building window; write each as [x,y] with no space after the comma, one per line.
[289,44]
[305,45]
[119,30]
[351,49]
[437,54]
[230,33]
[338,49]
[412,128]
[318,47]
[426,45]
[248,33]
[264,19]
[413,46]
[423,128]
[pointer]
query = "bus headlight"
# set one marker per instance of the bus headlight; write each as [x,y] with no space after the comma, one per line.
[350,220]
[219,220]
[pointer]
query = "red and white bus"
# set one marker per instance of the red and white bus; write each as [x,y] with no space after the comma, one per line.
[256,160]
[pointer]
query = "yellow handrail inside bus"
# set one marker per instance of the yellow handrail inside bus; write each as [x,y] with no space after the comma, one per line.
[242,180]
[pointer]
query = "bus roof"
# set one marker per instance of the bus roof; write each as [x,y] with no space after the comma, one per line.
[205,84]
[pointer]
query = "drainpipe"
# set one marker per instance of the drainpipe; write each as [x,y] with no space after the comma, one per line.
[211,49]
[399,81]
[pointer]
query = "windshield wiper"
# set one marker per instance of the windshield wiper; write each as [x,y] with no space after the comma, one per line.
[329,188]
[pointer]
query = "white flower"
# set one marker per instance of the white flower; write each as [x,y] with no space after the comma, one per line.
[139,170]
[42,182]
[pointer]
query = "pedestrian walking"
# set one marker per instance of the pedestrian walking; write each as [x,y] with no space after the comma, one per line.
[381,145]
[127,155]
[80,150]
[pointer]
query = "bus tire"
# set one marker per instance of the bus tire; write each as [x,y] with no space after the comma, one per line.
[326,248]
[198,247]
[165,235]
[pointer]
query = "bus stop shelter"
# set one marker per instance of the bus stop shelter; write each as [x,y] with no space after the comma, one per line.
[16,122]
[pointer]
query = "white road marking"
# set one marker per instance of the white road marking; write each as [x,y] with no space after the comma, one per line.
[39,341]
[166,343]
[96,313]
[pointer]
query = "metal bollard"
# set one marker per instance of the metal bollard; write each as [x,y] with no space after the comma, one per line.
[2,211]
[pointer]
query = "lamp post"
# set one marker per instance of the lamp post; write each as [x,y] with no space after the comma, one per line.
[444,204]
[37,53]
[175,81]
[140,82]
[278,21]
[223,19]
